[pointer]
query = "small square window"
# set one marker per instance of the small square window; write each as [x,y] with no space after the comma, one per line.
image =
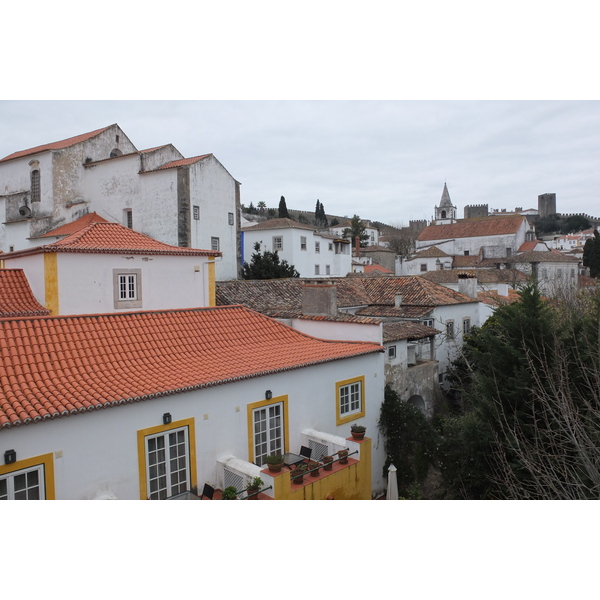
[196,213]
[466,253]
[350,399]
[423,267]
[214,244]
[127,288]
[230,218]
[391,351]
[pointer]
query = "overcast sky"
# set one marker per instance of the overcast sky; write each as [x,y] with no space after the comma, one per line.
[382,160]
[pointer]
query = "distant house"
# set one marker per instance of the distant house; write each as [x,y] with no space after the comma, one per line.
[92,265]
[187,202]
[313,253]
[371,231]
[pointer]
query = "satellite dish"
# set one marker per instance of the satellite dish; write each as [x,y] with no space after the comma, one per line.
[25,211]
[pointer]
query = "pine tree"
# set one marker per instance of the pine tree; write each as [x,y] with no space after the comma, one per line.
[267,265]
[357,229]
[283,211]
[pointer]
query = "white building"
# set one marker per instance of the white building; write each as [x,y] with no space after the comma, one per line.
[312,253]
[186,202]
[370,230]
[152,404]
[96,267]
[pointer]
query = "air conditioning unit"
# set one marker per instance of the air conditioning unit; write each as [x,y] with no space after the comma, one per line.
[25,211]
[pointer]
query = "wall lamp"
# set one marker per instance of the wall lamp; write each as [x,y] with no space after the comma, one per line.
[268,395]
[10,456]
[167,419]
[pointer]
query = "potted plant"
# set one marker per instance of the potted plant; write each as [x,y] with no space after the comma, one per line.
[314,468]
[253,488]
[327,463]
[343,454]
[298,473]
[357,431]
[274,462]
[229,493]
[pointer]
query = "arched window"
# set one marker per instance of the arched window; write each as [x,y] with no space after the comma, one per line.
[443,214]
[115,152]
[35,185]
[418,402]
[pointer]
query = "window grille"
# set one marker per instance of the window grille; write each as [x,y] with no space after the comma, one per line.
[230,478]
[35,186]
[319,450]
[196,213]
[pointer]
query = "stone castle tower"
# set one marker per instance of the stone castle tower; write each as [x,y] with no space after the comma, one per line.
[445,213]
[546,205]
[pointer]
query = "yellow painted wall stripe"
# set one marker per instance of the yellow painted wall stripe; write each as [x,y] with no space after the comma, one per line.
[212,285]
[51,282]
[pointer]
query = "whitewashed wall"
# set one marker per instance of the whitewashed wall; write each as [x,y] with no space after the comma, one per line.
[98,450]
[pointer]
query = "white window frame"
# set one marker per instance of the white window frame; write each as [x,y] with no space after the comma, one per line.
[196,212]
[302,242]
[391,352]
[317,247]
[277,243]
[172,466]
[268,428]
[215,244]
[351,398]
[126,297]
[24,493]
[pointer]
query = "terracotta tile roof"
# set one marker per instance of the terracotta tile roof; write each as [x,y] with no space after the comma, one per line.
[493,298]
[279,224]
[483,275]
[431,252]
[528,246]
[375,248]
[56,145]
[16,297]
[542,256]
[414,290]
[379,268]
[472,228]
[462,262]
[58,366]
[406,330]
[182,162]
[402,312]
[339,318]
[112,238]
[75,225]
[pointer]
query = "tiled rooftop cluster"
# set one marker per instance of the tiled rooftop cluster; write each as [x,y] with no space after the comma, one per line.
[56,366]
[284,296]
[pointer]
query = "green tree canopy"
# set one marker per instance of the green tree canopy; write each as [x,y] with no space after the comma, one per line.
[357,229]
[574,223]
[591,254]
[267,265]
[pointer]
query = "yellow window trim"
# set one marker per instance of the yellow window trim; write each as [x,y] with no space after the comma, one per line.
[357,415]
[141,437]
[45,459]
[286,428]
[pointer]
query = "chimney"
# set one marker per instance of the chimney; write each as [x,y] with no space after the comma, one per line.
[398,300]
[503,289]
[319,299]
[357,244]
[467,285]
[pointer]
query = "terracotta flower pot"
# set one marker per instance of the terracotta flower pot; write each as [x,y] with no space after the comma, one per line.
[275,468]
[327,463]
[357,436]
[343,454]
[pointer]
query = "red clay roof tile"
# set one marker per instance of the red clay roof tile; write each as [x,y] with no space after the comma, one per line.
[55,145]
[167,351]
[472,228]
[16,297]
